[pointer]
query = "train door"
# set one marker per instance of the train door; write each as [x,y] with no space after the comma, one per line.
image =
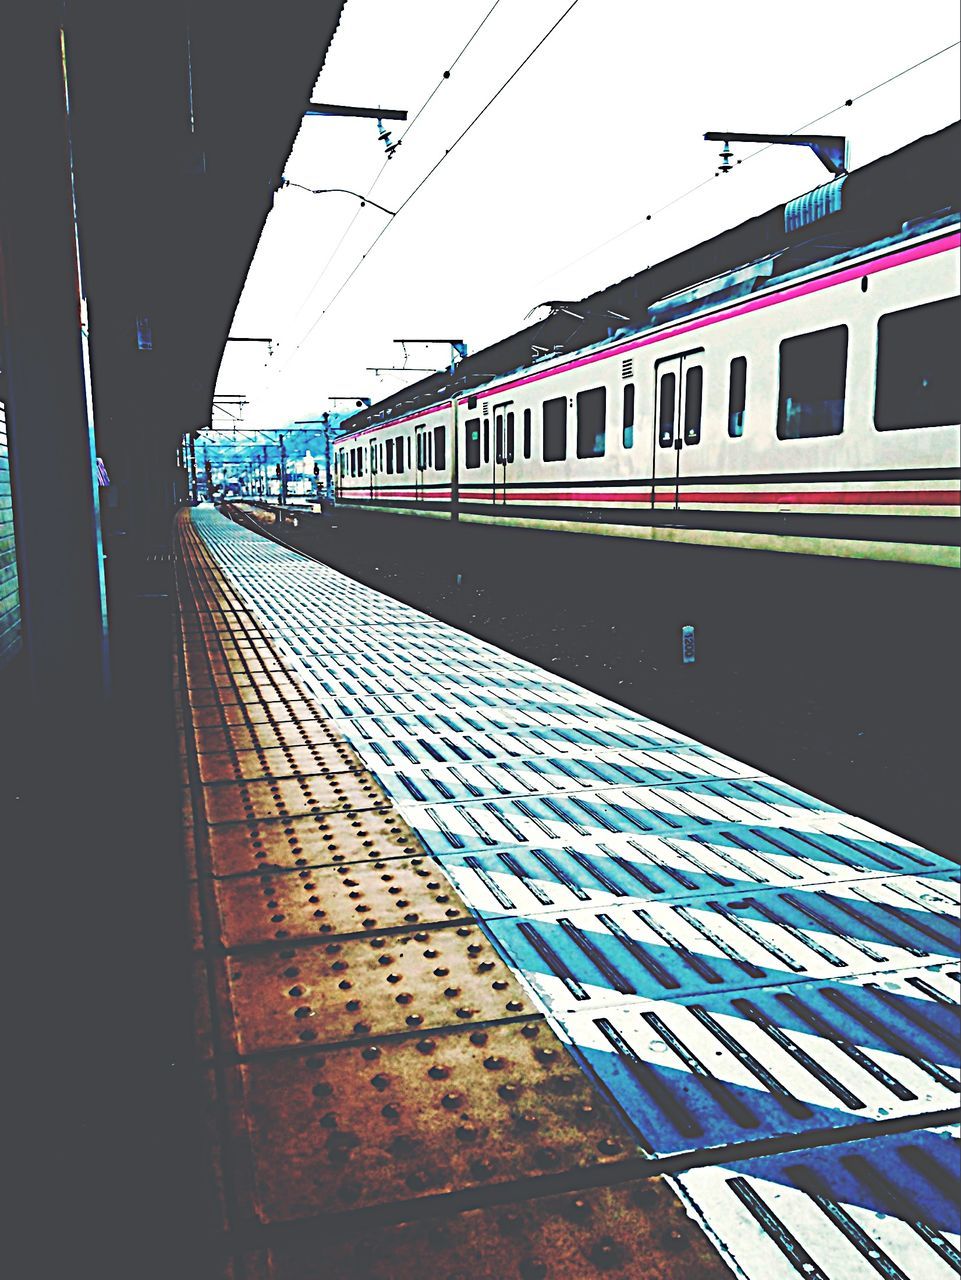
[678,395]
[420,461]
[503,450]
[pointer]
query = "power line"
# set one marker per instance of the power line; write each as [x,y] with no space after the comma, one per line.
[849,102]
[428,175]
[440,82]
[543,40]
[417,114]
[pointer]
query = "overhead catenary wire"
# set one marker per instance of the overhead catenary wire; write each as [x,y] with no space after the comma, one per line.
[705,182]
[406,201]
[380,173]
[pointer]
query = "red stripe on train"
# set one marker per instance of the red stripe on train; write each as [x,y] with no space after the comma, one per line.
[823,497]
[874,497]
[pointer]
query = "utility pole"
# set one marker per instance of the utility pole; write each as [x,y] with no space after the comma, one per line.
[283,472]
[324,421]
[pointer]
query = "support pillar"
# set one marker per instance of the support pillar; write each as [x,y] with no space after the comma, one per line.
[52,452]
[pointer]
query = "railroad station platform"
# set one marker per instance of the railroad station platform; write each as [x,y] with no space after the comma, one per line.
[496,977]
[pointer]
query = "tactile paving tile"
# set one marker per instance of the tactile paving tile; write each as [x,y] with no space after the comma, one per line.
[339,991]
[281,694]
[555,736]
[624,1233]
[351,1127]
[252,713]
[437,783]
[478,824]
[329,901]
[398,741]
[684,866]
[493,716]
[887,1206]
[291,797]
[592,958]
[276,762]
[741,1066]
[253,737]
[315,841]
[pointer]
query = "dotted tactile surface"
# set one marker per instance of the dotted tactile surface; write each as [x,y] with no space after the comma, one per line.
[355,897]
[441,1112]
[358,987]
[622,1233]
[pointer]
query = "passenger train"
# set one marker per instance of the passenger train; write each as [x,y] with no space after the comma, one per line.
[807,408]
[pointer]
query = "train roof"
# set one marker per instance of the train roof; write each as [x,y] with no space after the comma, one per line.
[898,193]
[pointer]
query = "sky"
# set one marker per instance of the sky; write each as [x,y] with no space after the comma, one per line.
[547,195]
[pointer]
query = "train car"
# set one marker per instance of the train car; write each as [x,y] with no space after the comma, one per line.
[808,401]
[408,460]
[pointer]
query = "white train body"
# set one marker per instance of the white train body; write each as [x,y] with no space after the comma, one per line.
[814,412]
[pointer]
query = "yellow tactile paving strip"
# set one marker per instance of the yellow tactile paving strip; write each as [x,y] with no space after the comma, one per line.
[369,1054]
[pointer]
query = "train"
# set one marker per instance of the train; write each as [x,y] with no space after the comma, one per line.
[798,402]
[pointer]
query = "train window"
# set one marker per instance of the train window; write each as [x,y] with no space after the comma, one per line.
[555,429]
[510,437]
[527,433]
[440,441]
[399,455]
[919,382]
[591,422]
[390,457]
[472,442]
[811,392]
[693,396]
[665,417]
[627,437]
[408,453]
[487,439]
[737,396]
